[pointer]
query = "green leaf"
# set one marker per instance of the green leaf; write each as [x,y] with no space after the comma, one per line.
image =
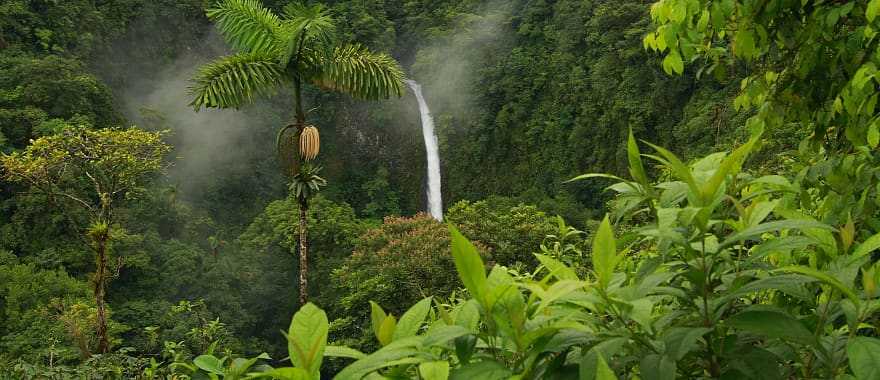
[386,330]
[307,338]
[744,45]
[604,253]
[483,370]
[779,225]
[438,370]
[386,357]
[873,135]
[443,334]
[468,264]
[824,278]
[343,352]
[288,374]
[678,168]
[673,64]
[556,268]
[772,324]
[468,315]
[636,169]
[681,340]
[730,166]
[657,367]
[864,357]
[377,316]
[411,321]
[603,372]
[872,10]
[558,290]
[595,175]
[869,245]
[209,363]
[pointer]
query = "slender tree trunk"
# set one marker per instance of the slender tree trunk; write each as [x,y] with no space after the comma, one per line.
[303,253]
[100,292]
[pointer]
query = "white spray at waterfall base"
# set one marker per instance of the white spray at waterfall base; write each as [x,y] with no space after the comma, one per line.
[435,201]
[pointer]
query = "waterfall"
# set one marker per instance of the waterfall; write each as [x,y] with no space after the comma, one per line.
[435,201]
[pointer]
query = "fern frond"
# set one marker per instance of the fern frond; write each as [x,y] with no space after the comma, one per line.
[246,25]
[354,70]
[235,80]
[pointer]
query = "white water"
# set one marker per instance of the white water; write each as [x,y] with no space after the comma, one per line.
[435,201]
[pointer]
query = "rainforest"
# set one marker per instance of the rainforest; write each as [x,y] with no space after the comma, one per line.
[440,189]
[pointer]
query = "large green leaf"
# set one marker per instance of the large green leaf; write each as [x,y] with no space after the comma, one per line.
[864,357]
[866,247]
[678,168]
[779,225]
[657,367]
[558,290]
[603,371]
[307,338]
[387,329]
[209,363]
[343,352]
[772,324]
[681,340]
[483,370]
[824,277]
[412,319]
[377,316]
[731,166]
[468,263]
[556,268]
[443,334]
[287,374]
[636,169]
[604,253]
[438,370]
[383,358]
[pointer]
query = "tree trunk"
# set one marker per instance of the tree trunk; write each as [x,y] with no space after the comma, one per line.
[100,291]
[303,253]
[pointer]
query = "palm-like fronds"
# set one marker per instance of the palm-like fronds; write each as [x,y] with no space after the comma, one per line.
[233,81]
[356,71]
[306,26]
[299,47]
[247,25]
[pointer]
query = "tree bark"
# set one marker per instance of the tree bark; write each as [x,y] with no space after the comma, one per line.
[303,253]
[100,292]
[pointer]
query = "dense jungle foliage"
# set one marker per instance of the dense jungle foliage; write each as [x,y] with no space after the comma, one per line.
[633,189]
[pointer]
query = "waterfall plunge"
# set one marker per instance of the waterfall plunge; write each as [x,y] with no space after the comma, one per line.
[435,201]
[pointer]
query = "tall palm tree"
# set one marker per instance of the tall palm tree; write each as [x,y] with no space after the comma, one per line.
[297,48]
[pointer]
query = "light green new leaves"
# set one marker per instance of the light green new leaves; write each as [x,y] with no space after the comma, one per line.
[307,338]
[872,10]
[605,256]
[468,264]
[434,370]
[383,325]
[603,372]
[411,321]
[636,169]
